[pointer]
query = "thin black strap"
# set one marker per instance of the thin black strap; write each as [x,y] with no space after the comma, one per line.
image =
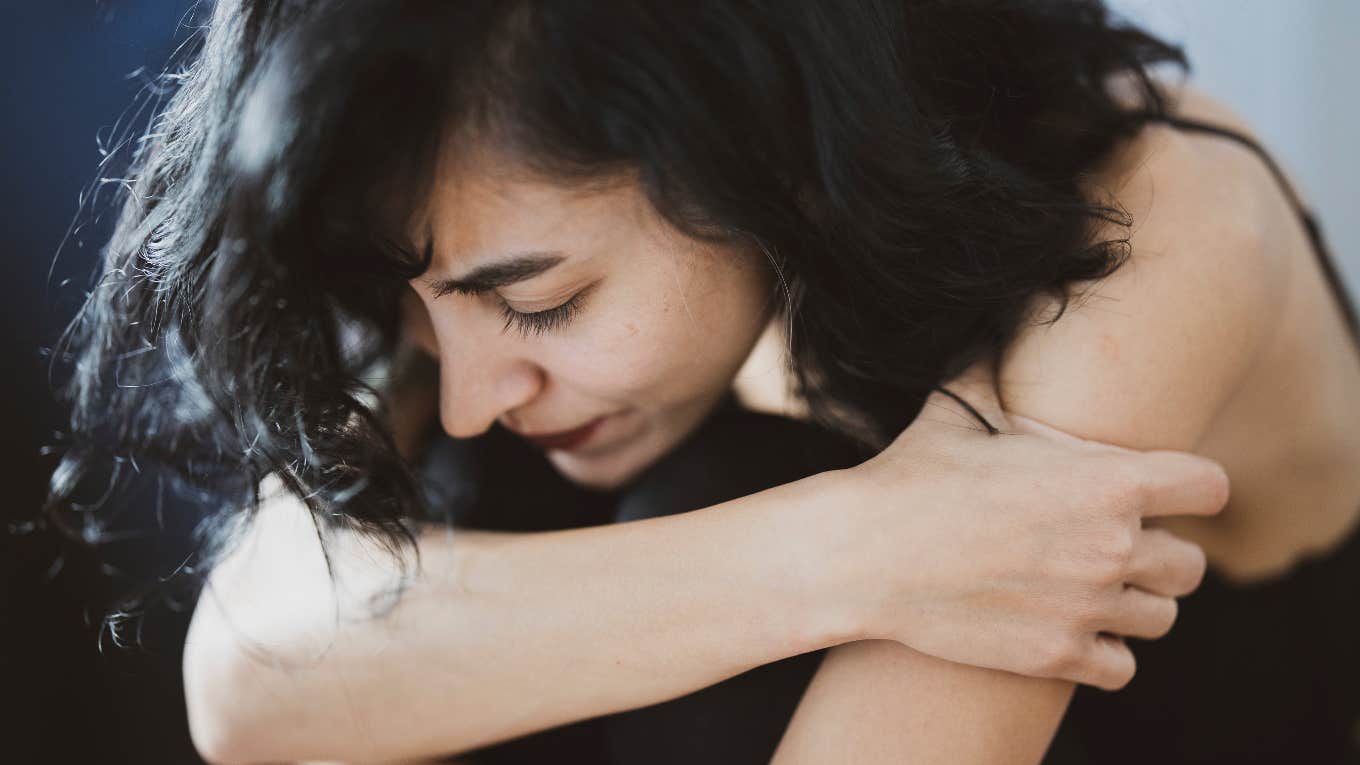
[1310,222]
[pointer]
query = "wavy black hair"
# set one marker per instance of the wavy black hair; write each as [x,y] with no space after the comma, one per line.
[911,169]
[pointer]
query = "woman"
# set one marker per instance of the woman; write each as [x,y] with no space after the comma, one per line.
[910,191]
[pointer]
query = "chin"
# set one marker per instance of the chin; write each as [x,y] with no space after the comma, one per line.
[613,469]
[612,466]
[601,474]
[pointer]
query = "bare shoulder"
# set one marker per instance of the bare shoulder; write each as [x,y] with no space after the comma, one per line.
[1147,356]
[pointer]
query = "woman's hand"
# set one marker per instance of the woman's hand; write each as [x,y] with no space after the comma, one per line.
[1023,551]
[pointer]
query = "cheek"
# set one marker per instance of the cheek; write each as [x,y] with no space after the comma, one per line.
[617,360]
[677,331]
[622,350]
[661,353]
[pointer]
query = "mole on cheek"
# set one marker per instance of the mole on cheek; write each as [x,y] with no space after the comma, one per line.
[631,327]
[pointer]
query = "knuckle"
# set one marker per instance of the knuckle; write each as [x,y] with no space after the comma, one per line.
[1090,613]
[1166,619]
[1125,483]
[1104,573]
[1121,548]
[1043,661]
[1060,657]
[1113,558]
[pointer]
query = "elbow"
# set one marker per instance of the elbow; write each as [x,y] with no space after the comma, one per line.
[209,694]
[223,715]
[215,734]
[215,749]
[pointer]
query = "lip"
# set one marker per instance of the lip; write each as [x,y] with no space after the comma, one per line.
[565,440]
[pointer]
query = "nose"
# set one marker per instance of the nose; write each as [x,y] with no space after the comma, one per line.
[477,384]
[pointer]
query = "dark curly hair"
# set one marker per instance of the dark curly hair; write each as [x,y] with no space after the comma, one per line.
[911,169]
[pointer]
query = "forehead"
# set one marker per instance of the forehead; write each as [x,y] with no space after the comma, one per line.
[481,203]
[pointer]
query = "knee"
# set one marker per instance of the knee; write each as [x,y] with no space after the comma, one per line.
[735,452]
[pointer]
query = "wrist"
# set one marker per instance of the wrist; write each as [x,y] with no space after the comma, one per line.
[825,521]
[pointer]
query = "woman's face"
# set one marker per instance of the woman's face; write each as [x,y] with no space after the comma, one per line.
[637,324]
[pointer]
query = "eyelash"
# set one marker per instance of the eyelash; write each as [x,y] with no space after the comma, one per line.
[540,322]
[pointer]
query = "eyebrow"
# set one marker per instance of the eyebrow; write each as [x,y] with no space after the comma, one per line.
[509,270]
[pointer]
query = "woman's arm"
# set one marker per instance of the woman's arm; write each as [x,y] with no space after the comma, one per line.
[880,701]
[876,701]
[1145,361]
[504,634]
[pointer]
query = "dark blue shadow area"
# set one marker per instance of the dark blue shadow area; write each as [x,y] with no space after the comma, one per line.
[72,70]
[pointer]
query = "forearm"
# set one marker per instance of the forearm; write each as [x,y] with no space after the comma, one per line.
[500,635]
[503,635]
[878,701]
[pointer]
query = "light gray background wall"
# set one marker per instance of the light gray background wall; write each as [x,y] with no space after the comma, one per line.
[1290,67]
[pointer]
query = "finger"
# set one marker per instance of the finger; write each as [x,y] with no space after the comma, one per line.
[1177,483]
[1111,664]
[1142,614]
[1164,564]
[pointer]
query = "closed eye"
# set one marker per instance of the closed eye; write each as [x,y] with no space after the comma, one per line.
[540,322]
